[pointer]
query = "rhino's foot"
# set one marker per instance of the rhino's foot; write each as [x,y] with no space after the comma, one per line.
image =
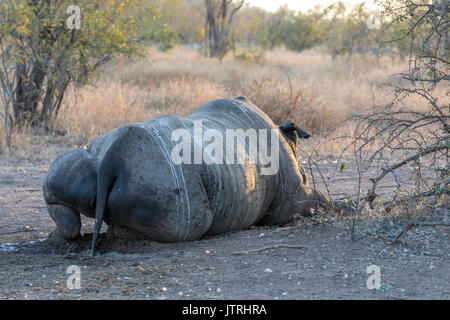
[116,231]
[59,236]
[67,220]
[343,207]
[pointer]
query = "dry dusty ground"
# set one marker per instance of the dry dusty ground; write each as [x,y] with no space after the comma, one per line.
[329,266]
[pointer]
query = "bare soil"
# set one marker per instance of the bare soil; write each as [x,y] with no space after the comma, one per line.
[322,262]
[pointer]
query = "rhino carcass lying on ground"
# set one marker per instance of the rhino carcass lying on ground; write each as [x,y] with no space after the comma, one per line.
[129,178]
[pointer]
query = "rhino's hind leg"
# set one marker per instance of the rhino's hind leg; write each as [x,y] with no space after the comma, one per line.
[316,199]
[117,231]
[301,204]
[68,221]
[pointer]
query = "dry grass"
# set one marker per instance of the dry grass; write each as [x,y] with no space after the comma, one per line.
[309,89]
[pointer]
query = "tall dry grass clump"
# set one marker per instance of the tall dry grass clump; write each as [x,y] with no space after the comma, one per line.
[309,89]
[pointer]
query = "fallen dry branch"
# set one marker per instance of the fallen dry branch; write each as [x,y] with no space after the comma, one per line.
[409,227]
[371,195]
[416,225]
[270,247]
[22,230]
[377,236]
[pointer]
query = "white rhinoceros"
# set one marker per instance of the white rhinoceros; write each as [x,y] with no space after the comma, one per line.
[129,178]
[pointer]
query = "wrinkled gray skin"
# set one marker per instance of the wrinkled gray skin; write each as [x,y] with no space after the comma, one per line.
[126,178]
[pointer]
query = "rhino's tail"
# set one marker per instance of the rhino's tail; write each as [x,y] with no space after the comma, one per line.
[105,179]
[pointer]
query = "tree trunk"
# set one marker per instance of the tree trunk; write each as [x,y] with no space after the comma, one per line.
[27,93]
[217,27]
[445,55]
[47,105]
[349,45]
[378,53]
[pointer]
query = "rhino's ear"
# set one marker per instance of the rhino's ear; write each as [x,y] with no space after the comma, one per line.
[290,127]
[302,134]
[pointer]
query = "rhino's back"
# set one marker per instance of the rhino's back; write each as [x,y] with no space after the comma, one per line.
[239,194]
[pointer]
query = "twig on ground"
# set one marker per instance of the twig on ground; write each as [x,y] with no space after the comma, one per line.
[371,195]
[22,230]
[270,247]
[377,236]
[414,225]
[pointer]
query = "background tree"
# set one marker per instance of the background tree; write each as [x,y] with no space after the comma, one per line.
[301,30]
[275,25]
[178,21]
[40,56]
[357,30]
[398,135]
[219,17]
[250,37]
[335,30]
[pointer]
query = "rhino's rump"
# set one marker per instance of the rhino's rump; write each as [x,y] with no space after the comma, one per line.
[238,195]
